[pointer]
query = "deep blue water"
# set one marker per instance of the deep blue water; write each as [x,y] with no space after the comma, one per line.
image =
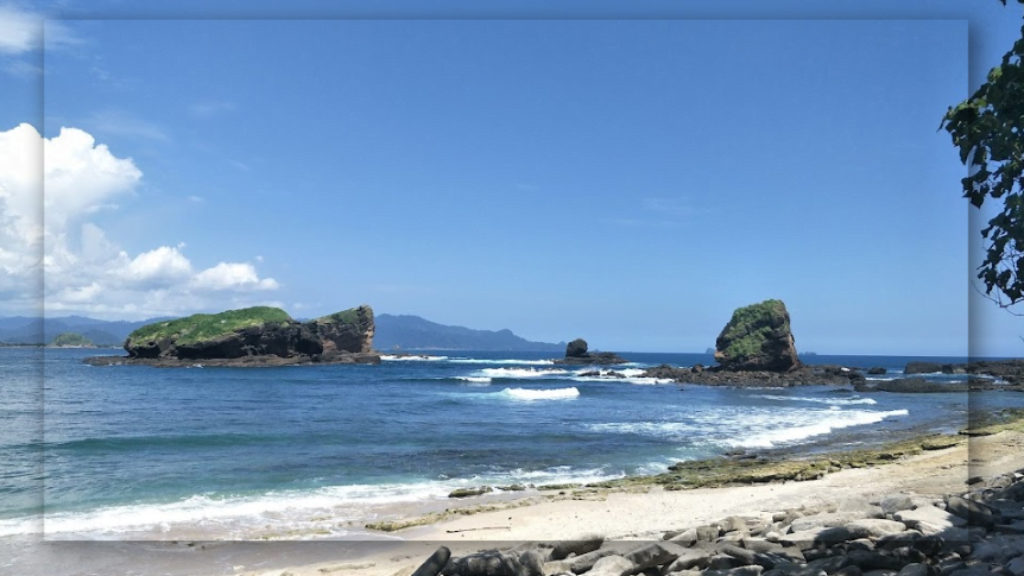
[134,452]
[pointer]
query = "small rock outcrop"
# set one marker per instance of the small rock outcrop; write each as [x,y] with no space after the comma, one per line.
[576,349]
[758,337]
[257,336]
[576,353]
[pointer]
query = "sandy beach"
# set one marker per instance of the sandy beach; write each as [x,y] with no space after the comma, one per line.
[647,514]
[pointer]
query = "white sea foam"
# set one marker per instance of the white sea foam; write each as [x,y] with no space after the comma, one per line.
[512,361]
[530,395]
[522,372]
[670,430]
[829,401]
[631,375]
[412,358]
[825,424]
[475,379]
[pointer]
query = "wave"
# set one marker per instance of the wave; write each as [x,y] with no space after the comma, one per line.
[412,358]
[502,362]
[833,420]
[829,401]
[630,375]
[294,514]
[522,372]
[474,379]
[530,395]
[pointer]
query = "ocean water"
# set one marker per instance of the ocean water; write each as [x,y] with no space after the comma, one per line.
[314,452]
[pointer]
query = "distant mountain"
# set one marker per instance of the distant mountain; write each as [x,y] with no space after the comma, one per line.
[29,330]
[412,332]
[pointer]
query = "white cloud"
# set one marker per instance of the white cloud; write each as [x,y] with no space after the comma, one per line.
[225,276]
[86,272]
[23,31]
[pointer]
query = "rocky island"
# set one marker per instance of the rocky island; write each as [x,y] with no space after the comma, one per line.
[757,348]
[576,354]
[257,336]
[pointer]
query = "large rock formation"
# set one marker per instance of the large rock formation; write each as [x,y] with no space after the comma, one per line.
[758,337]
[253,337]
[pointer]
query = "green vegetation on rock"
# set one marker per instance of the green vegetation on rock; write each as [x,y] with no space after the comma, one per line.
[200,327]
[756,334]
[350,316]
[69,339]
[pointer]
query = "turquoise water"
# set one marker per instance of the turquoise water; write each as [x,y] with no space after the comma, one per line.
[145,453]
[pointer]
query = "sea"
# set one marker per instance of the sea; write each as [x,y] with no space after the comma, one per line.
[130,453]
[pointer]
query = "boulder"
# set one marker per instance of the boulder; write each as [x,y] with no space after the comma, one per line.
[758,337]
[876,370]
[434,564]
[576,349]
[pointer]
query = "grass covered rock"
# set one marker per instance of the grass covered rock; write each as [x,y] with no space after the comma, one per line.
[758,337]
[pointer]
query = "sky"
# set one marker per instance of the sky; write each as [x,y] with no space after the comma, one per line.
[630,176]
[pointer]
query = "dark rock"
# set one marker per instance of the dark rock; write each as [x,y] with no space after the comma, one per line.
[654,554]
[867,560]
[831,564]
[577,547]
[915,385]
[915,569]
[851,570]
[491,563]
[576,349]
[877,370]
[434,564]
[738,571]
[974,512]
[922,368]
[758,337]
[467,492]
[789,569]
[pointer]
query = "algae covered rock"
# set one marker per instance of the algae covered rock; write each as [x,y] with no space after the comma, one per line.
[758,337]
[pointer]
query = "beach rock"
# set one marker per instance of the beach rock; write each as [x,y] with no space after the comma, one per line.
[578,547]
[831,564]
[851,570]
[467,492]
[685,538]
[929,520]
[922,368]
[827,520]
[788,569]
[613,566]
[1016,566]
[896,502]
[434,564]
[585,562]
[878,527]
[868,560]
[738,571]
[975,512]
[758,337]
[690,558]
[915,569]
[492,563]
[654,554]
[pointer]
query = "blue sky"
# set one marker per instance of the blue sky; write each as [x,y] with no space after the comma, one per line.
[628,181]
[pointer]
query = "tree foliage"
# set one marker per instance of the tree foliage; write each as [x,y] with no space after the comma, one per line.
[987,128]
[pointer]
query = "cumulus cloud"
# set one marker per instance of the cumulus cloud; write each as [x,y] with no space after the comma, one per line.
[45,233]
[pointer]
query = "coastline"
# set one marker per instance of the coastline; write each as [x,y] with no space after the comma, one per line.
[639,509]
[640,514]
